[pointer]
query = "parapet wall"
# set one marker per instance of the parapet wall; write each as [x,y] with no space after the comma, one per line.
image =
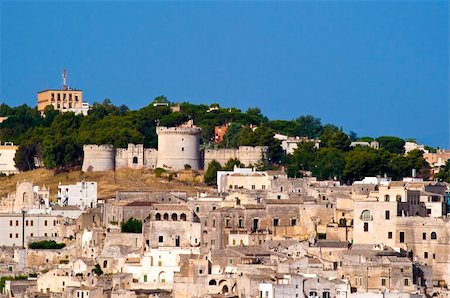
[246,154]
[98,158]
[136,157]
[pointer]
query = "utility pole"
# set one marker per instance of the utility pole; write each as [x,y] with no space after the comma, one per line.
[23,228]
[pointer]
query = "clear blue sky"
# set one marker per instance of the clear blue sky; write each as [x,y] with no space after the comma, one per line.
[374,67]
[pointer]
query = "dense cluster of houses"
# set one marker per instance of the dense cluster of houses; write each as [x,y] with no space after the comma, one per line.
[260,235]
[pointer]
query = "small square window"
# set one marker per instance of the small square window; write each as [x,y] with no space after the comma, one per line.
[160,239]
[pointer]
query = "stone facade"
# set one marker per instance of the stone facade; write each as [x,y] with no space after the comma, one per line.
[246,154]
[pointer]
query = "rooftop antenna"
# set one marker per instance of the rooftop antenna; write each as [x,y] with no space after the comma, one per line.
[64,77]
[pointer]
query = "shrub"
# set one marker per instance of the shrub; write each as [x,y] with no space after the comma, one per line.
[97,270]
[46,244]
[159,172]
[131,226]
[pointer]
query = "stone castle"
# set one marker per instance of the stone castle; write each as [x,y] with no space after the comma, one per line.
[178,148]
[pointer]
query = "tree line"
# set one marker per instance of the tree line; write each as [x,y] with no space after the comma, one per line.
[56,138]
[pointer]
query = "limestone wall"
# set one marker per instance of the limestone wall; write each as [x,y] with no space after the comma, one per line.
[98,158]
[246,154]
[178,146]
[136,157]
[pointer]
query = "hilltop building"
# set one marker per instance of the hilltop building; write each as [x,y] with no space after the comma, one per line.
[65,99]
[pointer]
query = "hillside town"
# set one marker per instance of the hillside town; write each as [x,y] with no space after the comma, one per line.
[255,233]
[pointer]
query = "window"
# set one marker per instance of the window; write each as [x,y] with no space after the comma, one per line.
[227,223]
[433,236]
[241,223]
[325,294]
[402,237]
[158,216]
[31,223]
[293,221]
[135,160]
[214,223]
[434,256]
[31,234]
[389,235]
[17,223]
[17,235]
[366,227]
[263,187]
[197,209]
[145,278]
[425,255]
[238,201]
[10,235]
[231,261]
[383,281]
[406,282]
[387,214]
[424,236]
[398,198]
[387,198]
[365,215]
[161,239]
[26,223]
[312,294]
[276,222]
[182,148]
[253,186]
[10,223]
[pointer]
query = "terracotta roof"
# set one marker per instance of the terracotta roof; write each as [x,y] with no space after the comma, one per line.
[141,203]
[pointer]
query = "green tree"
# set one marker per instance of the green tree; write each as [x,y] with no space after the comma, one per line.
[309,126]
[303,159]
[392,144]
[363,162]
[231,163]
[330,163]
[25,155]
[211,173]
[97,270]
[444,173]
[131,226]
[46,244]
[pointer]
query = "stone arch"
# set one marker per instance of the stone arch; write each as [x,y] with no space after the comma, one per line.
[212,282]
[183,217]
[158,216]
[365,215]
[174,216]
[224,289]
[166,216]
[162,277]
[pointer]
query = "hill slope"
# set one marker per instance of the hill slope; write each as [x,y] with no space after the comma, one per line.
[107,182]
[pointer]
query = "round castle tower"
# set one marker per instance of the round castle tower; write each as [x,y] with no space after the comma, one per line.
[98,158]
[178,146]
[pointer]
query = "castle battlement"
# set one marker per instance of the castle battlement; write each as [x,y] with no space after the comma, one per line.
[102,148]
[161,130]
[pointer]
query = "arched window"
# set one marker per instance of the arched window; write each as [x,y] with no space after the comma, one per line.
[135,160]
[105,263]
[433,236]
[212,282]
[365,215]
[387,198]
[342,222]
[183,217]
[158,216]
[225,289]
[174,216]
[166,216]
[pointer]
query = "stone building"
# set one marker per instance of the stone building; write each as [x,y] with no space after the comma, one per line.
[7,154]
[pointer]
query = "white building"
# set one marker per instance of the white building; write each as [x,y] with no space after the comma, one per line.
[289,144]
[410,146]
[15,225]
[7,154]
[242,178]
[83,194]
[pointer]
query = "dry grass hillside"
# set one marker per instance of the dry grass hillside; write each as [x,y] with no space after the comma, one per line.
[109,182]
